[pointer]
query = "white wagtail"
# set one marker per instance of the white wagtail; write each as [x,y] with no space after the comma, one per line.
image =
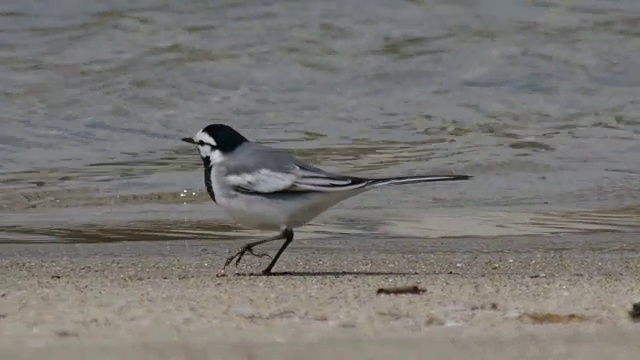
[269,189]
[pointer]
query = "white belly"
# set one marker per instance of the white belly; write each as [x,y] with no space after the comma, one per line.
[277,213]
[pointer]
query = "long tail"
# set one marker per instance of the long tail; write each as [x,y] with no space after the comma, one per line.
[373,183]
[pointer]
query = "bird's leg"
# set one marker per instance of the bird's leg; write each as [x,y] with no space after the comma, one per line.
[287,234]
[249,248]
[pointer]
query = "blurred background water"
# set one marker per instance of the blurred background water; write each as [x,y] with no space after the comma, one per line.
[539,100]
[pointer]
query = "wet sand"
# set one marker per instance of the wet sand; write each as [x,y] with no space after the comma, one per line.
[530,297]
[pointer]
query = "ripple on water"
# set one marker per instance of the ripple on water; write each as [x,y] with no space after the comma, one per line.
[537,99]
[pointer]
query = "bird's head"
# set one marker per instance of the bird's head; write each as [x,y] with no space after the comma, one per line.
[216,140]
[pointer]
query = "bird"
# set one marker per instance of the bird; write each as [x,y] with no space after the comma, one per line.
[267,188]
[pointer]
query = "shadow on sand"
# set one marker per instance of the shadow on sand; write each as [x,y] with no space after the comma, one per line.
[324,273]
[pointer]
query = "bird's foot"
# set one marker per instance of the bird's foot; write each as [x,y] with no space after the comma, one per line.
[240,254]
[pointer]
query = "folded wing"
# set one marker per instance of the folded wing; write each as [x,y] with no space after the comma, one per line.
[297,179]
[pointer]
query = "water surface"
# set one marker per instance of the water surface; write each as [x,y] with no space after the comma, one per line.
[538,99]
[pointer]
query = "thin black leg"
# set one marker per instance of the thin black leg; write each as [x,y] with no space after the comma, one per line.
[287,234]
[249,248]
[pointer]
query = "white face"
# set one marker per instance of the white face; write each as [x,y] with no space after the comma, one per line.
[207,147]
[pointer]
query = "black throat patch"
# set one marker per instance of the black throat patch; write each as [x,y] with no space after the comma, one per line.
[207,178]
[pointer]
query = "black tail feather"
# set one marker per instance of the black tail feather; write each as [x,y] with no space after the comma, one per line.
[417,179]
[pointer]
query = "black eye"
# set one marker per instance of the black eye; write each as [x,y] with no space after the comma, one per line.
[201,143]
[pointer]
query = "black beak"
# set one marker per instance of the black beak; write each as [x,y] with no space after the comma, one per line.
[189,140]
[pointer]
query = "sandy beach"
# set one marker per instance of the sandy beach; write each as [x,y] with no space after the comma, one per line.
[531,297]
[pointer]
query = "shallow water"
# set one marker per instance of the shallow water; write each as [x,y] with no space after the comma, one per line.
[540,100]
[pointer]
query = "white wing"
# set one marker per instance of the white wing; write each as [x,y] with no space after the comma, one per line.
[297,180]
[262,181]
